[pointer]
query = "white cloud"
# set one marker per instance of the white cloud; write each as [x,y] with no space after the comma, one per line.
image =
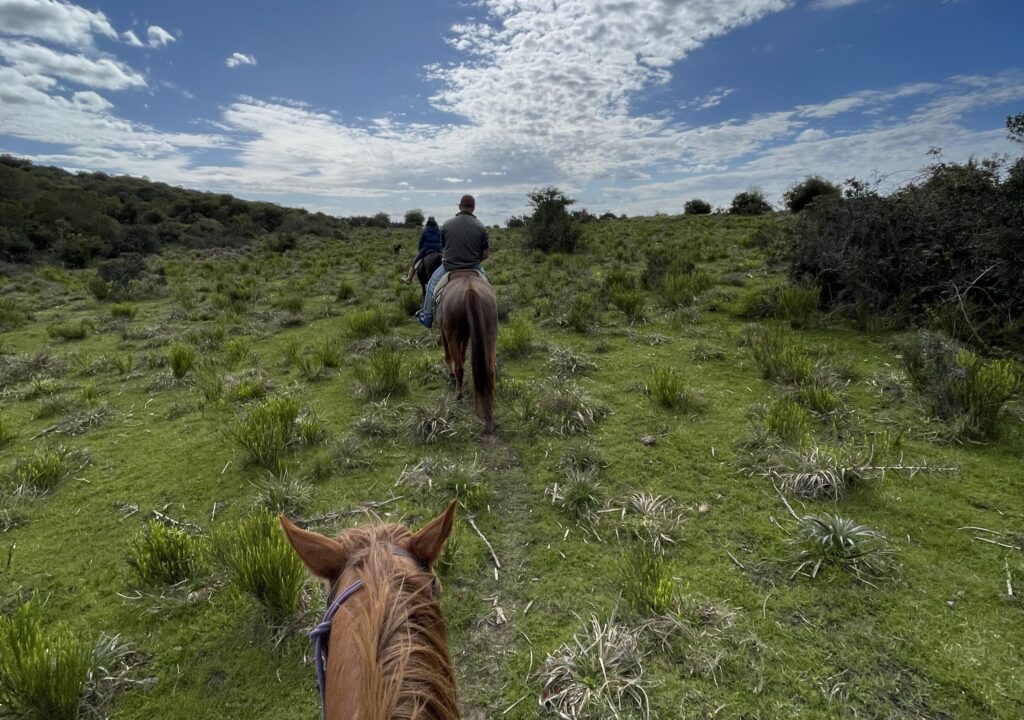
[31,59]
[708,101]
[238,58]
[811,135]
[58,22]
[832,4]
[158,37]
[453,180]
[132,39]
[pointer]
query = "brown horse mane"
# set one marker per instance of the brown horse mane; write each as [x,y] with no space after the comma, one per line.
[404,646]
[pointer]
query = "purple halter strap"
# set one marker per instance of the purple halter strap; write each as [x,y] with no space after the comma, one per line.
[321,634]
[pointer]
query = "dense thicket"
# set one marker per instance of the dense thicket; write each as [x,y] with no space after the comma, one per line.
[47,213]
[949,248]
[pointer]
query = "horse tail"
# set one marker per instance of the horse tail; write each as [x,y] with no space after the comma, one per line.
[481,354]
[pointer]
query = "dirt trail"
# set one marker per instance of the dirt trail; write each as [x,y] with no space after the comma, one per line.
[494,639]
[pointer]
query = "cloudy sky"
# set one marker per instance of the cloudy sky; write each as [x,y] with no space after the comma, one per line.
[628,105]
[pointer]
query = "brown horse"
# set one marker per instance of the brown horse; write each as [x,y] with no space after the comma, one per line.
[430,263]
[387,648]
[467,313]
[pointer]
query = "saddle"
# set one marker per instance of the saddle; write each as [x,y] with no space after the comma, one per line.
[443,282]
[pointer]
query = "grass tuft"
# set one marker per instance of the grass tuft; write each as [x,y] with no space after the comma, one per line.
[163,555]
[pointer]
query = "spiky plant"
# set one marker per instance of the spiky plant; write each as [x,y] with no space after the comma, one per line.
[381,374]
[599,674]
[654,520]
[779,355]
[566,362]
[515,338]
[667,389]
[579,494]
[829,540]
[283,492]
[435,423]
[567,410]
[266,430]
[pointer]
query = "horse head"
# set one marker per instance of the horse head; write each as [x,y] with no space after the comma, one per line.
[382,647]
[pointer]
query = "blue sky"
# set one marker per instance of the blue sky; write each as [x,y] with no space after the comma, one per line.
[630,106]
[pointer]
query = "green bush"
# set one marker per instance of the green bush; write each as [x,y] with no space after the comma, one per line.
[697,207]
[261,562]
[163,555]
[45,469]
[630,302]
[947,245]
[684,289]
[968,393]
[779,355]
[515,338]
[44,672]
[550,227]
[807,191]
[668,390]
[646,582]
[751,202]
[789,421]
[7,431]
[182,358]
[267,430]
[238,351]
[12,314]
[583,313]
[123,310]
[381,374]
[69,330]
[367,323]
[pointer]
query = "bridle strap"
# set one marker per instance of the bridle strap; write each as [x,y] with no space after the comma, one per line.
[321,634]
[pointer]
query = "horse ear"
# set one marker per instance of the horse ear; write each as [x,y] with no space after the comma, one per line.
[426,544]
[324,557]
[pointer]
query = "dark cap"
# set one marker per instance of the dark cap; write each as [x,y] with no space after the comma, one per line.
[468,202]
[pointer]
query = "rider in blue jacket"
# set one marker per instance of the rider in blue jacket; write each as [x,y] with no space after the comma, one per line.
[430,241]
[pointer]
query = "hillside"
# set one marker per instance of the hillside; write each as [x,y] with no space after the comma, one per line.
[667,407]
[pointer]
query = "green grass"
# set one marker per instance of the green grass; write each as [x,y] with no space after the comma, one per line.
[737,633]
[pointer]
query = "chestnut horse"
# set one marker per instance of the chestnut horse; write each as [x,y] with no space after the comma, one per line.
[385,641]
[467,314]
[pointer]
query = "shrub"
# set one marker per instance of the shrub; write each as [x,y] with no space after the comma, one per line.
[409,302]
[44,470]
[597,675]
[804,193]
[436,423]
[779,355]
[668,390]
[345,291]
[579,495]
[12,314]
[565,362]
[515,338]
[282,492]
[238,350]
[311,366]
[182,358]
[566,410]
[261,562]
[367,323]
[683,289]
[69,330]
[164,555]
[267,430]
[697,207]
[123,310]
[630,302]
[646,582]
[381,374]
[97,286]
[329,352]
[945,244]
[46,672]
[550,227]
[464,482]
[965,391]
[583,313]
[414,217]
[751,202]
[292,303]
[7,431]
[789,421]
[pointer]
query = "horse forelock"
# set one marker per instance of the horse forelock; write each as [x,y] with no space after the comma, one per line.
[401,637]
